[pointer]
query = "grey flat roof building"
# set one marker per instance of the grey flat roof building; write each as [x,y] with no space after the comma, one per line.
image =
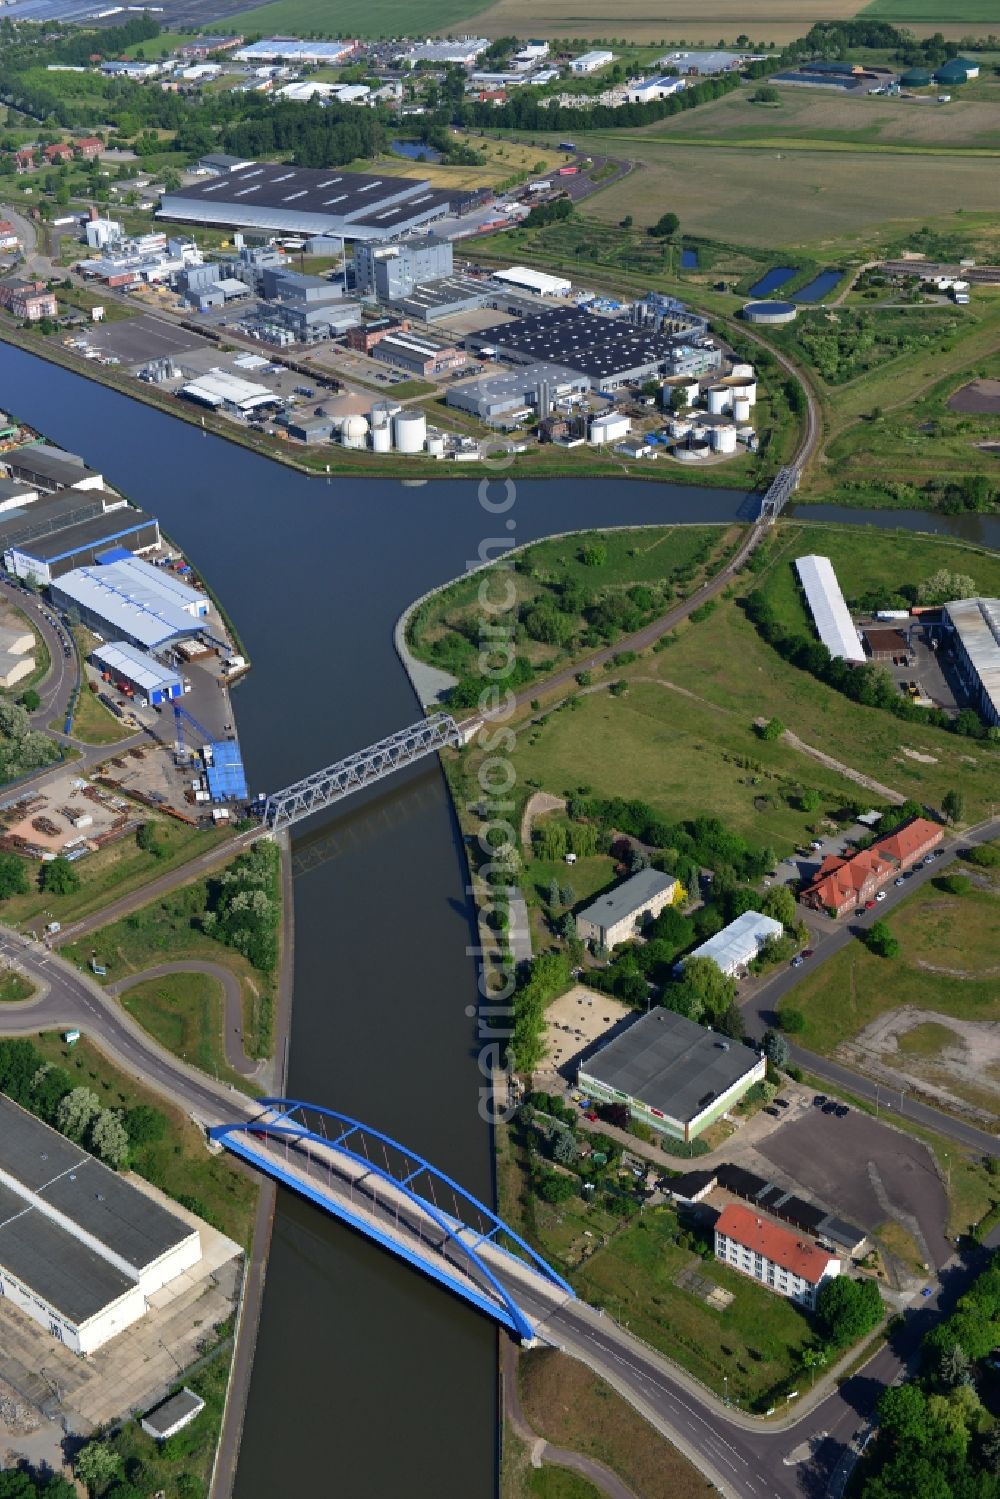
[77,1186]
[439,299]
[303,200]
[71,1277]
[50,469]
[83,543]
[678,1075]
[53,513]
[503,391]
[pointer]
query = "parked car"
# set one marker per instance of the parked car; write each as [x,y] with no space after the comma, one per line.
[774,1113]
[591,1116]
[899,879]
[781,1103]
[797,961]
[830,1107]
[869,905]
[860,911]
[880,895]
[843,1111]
[819,1100]
[807,952]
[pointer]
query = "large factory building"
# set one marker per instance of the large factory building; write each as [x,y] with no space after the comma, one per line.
[281,199]
[81,1250]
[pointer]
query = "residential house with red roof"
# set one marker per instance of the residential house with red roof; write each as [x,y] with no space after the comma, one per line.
[780,1258]
[842,882]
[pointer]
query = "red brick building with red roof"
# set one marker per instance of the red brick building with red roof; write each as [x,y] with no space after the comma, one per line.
[780,1258]
[59,152]
[88,146]
[841,883]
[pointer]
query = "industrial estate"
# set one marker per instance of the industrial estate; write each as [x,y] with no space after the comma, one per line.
[701,1124]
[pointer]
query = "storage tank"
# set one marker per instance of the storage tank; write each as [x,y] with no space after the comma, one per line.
[679,429]
[742,372]
[724,439]
[719,399]
[745,392]
[410,431]
[741,409]
[697,432]
[354,431]
[435,446]
[382,438]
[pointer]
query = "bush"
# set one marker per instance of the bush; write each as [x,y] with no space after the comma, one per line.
[792,1021]
[879,940]
[953,884]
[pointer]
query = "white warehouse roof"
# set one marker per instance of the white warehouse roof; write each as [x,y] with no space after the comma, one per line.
[977,622]
[537,281]
[219,388]
[830,613]
[740,941]
[135,665]
[134,599]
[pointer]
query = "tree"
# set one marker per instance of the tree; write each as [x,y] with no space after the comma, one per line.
[846,1309]
[678,398]
[665,227]
[564,1147]
[13,876]
[810,800]
[616,1114]
[595,554]
[765,95]
[954,884]
[109,1138]
[59,877]
[144,1125]
[97,1465]
[879,940]
[773,729]
[943,586]
[954,1366]
[776,1049]
[779,904]
[77,1111]
[553,1186]
[792,1021]
[902,1409]
[953,805]
[673,928]
[730,1023]
[715,988]
[30,700]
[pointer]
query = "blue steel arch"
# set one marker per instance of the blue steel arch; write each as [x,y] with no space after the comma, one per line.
[508,1311]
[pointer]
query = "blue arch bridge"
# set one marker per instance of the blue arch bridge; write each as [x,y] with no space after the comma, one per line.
[402,1202]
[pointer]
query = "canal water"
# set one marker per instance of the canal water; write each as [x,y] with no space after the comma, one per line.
[367,1377]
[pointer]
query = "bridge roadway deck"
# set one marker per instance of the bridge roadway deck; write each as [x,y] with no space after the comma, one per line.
[350,1189]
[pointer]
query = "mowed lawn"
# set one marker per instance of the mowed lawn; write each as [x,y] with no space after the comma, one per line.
[756,1341]
[948,932]
[771,198]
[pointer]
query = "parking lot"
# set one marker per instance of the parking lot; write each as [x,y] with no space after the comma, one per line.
[139,339]
[866,1171]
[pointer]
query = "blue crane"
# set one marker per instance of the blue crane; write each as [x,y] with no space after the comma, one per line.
[180,714]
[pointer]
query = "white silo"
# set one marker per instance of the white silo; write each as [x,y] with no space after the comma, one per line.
[382,438]
[697,432]
[719,398]
[745,391]
[354,431]
[435,446]
[410,431]
[742,372]
[724,439]
[679,429]
[741,409]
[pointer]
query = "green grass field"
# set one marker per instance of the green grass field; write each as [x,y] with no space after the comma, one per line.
[956,935]
[804,198]
[756,1341]
[185,1013]
[167,931]
[373,18]
[934,12]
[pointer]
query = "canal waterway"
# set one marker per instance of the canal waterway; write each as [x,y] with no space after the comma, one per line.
[366,1376]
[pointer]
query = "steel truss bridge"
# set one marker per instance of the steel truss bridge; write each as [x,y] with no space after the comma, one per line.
[782,487]
[325,787]
[402,1202]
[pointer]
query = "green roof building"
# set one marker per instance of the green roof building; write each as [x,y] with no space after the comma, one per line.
[915,78]
[958,70]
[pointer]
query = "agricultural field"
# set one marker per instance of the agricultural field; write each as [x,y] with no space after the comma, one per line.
[812,198]
[372,18]
[941,15]
[807,117]
[777,21]
[505,159]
